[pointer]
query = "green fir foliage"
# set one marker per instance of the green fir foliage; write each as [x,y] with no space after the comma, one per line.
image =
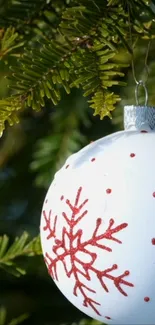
[81,51]
[20,247]
[10,40]
[15,321]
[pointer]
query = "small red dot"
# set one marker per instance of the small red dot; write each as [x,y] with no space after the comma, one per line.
[93,159]
[108,190]
[127,272]
[107,317]
[144,131]
[153,241]
[62,197]
[146,299]
[67,166]
[132,155]
[153,194]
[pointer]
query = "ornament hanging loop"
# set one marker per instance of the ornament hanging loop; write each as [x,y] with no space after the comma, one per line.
[141,83]
[146,69]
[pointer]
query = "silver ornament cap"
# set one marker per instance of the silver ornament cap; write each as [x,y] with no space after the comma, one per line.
[139,117]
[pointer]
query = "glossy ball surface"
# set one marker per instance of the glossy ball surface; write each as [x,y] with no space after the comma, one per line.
[98,229]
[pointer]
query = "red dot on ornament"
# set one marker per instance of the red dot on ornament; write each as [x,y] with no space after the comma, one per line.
[108,190]
[62,197]
[153,194]
[153,241]
[67,166]
[144,131]
[146,299]
[93,159]
[132,155]
[107,317]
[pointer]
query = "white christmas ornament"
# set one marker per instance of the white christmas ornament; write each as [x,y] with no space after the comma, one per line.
[98,224]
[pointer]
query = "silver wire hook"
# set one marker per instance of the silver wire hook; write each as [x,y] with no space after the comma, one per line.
[142,84]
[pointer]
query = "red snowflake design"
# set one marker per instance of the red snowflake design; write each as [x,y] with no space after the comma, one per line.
[82,246]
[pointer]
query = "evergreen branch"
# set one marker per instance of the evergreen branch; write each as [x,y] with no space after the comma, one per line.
[98,103]
[76,20]
[84,57]
[15,321]
[18,320]
[9,111]
[97,71]
[10,40]
[41,75]
[19,248]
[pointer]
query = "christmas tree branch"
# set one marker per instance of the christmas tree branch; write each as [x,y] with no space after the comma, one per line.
[82,55]
[15,321]
[10,40]
[20,247]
